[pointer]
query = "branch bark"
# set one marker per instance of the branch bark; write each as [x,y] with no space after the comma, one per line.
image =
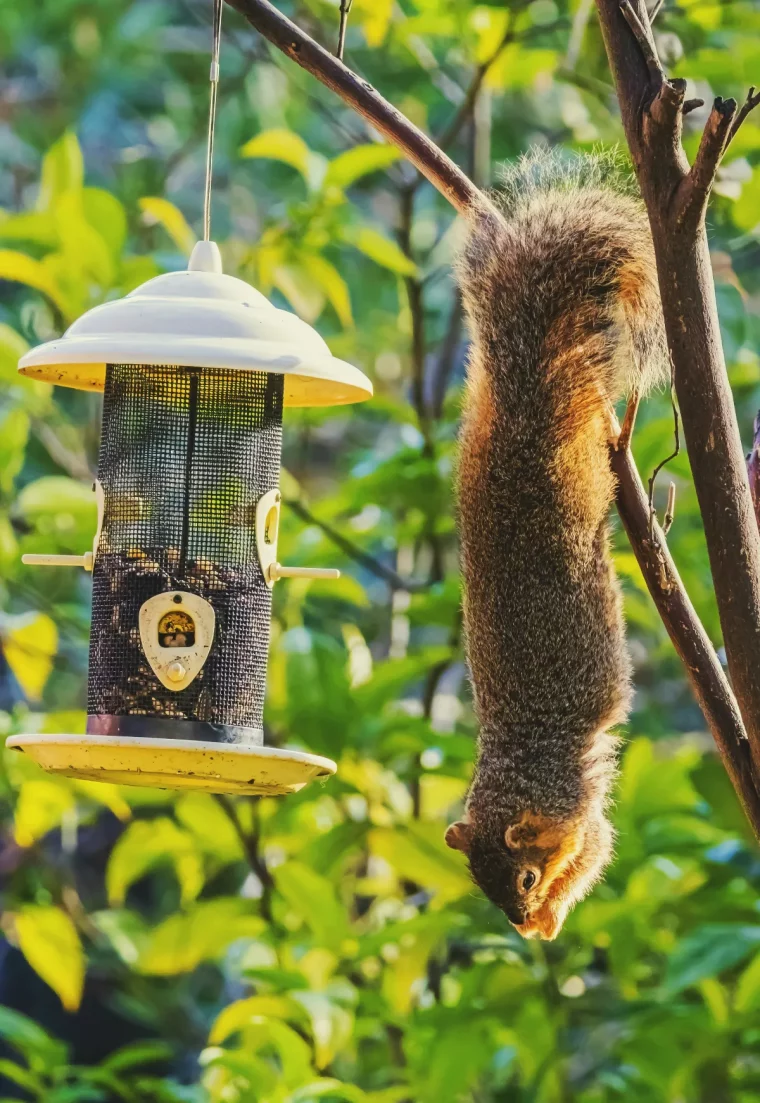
[689,637]
[676,199]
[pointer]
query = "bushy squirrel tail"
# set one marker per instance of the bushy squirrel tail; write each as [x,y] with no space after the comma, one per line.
[566,271]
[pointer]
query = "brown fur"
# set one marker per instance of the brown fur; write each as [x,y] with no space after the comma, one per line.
[562,301]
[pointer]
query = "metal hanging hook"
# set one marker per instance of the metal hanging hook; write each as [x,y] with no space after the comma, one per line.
[214,82]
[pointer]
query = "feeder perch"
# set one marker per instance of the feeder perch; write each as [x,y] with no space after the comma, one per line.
[195,368]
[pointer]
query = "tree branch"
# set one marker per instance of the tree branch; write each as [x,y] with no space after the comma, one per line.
[675,196]
[689,638]
[688,635]
[250,845]
[424,154]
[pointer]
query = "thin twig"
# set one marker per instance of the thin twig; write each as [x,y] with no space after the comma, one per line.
[670,510]
[629,421]
[250,845]
[751,102]
[643,36]
[345,8]
[691,197]
[663,463]
[353,551]
[451,131]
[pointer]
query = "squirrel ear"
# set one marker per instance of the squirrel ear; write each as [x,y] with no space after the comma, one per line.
[459,836]
[518,834]
[535,830]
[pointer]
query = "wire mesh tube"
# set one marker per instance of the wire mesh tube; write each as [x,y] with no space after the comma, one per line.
[185,455]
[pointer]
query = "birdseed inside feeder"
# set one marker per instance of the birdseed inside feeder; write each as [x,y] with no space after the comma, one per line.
[195,369]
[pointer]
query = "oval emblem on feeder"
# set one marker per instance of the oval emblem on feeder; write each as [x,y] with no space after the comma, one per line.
[176,632]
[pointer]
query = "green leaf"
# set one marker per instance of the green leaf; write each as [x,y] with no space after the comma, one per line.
[42,804]
[305,296]
[203,933]
[31,1041]
[14,433]
[158,211]
[30,644]
[313,898]
[378,248]
[148,843]
[137,1054]
[748,988]
[19,268]
[709,951]
[233,1018]
[49,941]
[62,170]
[106,214]
[280,145]
[350,166]
[34,227]
[326,276]
[59,507]
[418,853]
[333,1089]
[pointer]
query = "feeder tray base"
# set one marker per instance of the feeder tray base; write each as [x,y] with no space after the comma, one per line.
[175,763]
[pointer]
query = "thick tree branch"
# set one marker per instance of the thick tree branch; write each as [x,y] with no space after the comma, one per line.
[689,638]
[688,635]
[676,196]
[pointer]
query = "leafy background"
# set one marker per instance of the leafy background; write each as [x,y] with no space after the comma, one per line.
[163,946]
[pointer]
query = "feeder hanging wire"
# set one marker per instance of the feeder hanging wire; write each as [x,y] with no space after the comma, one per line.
[214,81]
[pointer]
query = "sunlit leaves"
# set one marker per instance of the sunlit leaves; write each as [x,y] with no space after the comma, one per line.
[315,900]
[49,941]
[163,213]
[19,268]
[62,170]
[280,145]
[371,968]
[379,248]
[146,844]
[345,169]
[42,804]
[203,932]
[30,643]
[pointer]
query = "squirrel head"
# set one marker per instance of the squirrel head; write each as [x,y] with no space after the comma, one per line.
[536,868]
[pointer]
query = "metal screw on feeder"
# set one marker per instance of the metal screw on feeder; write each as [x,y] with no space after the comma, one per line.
[195,368]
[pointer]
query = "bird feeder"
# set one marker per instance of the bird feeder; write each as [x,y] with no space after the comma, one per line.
[195,369]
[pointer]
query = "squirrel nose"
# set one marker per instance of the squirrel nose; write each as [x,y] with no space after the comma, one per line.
[514,914]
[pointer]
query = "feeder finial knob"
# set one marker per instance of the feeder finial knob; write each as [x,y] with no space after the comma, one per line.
[205,257]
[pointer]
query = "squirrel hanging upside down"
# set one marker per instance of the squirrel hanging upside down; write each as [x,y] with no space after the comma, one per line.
[561,295]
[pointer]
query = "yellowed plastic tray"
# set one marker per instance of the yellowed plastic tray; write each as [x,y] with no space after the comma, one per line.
[175,763]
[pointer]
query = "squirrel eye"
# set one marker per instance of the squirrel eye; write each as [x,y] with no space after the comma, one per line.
[528,881]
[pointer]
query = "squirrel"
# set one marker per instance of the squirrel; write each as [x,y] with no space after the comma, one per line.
[560,290]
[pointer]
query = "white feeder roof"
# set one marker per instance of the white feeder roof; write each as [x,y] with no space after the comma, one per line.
[200,319]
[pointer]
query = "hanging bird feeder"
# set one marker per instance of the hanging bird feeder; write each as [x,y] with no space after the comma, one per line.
[195,369]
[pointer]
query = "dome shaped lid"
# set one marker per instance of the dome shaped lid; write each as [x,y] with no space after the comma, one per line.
[199,319]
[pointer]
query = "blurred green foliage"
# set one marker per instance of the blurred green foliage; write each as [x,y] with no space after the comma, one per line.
[328,946]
